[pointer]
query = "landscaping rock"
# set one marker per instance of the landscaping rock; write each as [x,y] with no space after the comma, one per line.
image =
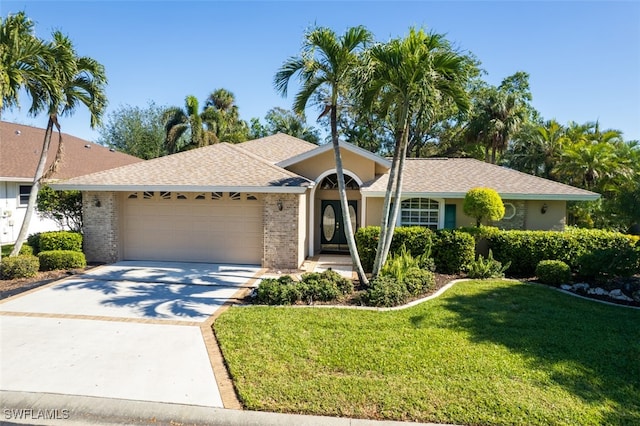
[618,295]
[566,287]
[636,296]
[581,287]
[598,291]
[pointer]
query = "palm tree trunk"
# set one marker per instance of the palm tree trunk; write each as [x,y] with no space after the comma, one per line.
[386,207]
[397,193]
[33,195]
[346,218]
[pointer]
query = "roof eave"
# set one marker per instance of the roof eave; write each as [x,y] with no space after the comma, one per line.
[184,188]
[505,196]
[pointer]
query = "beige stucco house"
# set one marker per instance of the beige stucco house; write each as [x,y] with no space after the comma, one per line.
[274,201]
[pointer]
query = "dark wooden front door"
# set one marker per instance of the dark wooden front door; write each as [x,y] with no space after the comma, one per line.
[332,230]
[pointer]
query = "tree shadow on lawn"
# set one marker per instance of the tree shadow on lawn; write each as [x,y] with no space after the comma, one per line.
[591,350]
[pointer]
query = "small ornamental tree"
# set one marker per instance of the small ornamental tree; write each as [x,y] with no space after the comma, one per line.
[63,207]
[483,203]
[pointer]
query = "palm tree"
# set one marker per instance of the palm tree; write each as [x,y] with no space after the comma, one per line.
[407,77]
[184,128]
[79,81]
[538,148]
[23,63]
[327,62]
[222,119]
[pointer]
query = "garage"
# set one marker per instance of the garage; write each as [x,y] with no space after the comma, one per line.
[193,227]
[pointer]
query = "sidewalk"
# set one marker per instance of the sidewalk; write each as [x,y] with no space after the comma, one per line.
[69,410]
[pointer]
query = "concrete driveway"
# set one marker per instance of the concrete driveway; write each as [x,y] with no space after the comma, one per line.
[131,330]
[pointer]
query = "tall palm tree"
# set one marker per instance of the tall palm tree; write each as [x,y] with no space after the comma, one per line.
[327,62]
[406,77]
[538,148]
[222,119]
[23,63]
[79,80]
[184,128]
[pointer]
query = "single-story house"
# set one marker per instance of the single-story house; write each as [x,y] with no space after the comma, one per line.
[20,149]
[274,201]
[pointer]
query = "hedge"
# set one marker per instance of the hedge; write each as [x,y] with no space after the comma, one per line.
[22,266]
[554,272]
[416,239]
[61,259]
[60,240]
[525,249]
[453,251]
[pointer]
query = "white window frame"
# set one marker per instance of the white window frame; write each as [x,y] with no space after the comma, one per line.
[505,217]
[440,222]
[20,195]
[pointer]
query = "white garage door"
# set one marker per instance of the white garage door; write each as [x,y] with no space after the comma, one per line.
[193,227]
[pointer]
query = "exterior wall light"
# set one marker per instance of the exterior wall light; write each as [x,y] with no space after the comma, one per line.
[96,201]
[544,208]
[280,205]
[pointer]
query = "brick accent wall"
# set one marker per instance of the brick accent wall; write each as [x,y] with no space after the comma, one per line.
[100,217]
[517,221]
[280,231]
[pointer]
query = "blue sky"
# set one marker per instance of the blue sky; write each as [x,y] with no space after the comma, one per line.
[583,57]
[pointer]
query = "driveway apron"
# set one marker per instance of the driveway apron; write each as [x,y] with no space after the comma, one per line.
[131,330]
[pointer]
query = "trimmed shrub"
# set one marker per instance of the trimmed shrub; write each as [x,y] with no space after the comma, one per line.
[554,272]
[51,260]
[60,240]
[26,249]
[34,241]
[277,291]
[22,266]
[453,251]
[416,239]
[385,291]
[609,263]
[486,268]
[418,281]
[345,286]
[525,249]
[483,203]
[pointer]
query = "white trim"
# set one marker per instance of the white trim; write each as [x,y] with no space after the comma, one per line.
[515,210]
[16,179]
[186,188]
[458,195]
[328,146]
[312,203]
[441,205]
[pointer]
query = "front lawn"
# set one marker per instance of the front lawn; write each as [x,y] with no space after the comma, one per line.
[486,352]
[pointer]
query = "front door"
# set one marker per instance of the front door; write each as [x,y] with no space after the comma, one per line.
[332,230]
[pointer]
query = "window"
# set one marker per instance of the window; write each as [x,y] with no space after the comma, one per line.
[181,196]
[235,196]
[509,211]
[24,192]
[331,182]
[165,195]
[216,195]
[420,212]
[133,195]
[148,195]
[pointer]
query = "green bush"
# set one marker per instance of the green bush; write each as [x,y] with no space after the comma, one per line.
[277,291]
[554,272]
[525,249]
[486,268]
[416,239]
[453,251]
[345,286]
[385,291]
[26,249]
[418,281]
[399,263]
[483,203]
[60,240]
[22,266]
[51,260]
[317,287]
[34,241]
[609,263]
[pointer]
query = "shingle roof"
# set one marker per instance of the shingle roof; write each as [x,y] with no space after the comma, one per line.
[20,148]
[215,167]
[453,177]
[278,147]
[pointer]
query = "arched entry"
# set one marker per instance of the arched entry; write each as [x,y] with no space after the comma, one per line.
[326,227]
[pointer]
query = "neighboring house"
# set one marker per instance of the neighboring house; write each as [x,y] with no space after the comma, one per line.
[20,149]
[274,201]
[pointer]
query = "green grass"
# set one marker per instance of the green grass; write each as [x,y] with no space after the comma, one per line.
[484,353]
